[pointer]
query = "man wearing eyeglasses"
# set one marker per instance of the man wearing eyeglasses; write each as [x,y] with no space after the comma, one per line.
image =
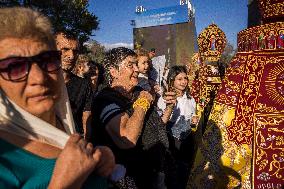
[79,89]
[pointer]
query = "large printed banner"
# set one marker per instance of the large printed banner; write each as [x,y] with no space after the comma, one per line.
[163,16]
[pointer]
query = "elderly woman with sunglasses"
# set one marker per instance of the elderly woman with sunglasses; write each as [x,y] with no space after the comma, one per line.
[38,146]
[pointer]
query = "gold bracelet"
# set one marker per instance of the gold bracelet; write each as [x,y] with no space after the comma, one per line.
[143,103]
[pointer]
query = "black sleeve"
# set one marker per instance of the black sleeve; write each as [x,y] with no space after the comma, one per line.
[108,111]
[88,96]
[104,109]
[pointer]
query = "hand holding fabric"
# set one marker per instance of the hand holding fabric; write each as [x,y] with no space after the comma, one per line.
[77,161]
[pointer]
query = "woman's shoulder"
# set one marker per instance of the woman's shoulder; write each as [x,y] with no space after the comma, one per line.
[108,94]
[186,100]
[107,97]
[23,169]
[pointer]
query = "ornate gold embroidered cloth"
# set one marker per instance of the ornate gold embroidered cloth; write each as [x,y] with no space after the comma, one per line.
[243,145]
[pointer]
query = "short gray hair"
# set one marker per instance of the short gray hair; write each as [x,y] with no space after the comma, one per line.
[113,58]
[19,22]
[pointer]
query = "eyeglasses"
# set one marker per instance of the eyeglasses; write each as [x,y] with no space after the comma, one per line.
[18,68]
[129,64]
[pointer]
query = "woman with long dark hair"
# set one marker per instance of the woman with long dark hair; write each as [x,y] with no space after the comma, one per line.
[179,121]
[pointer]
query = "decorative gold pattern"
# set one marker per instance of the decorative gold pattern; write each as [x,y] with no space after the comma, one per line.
[271,8]
[231,86]
[211,43]
[264,108]
[275,84]
[269,147]
[193,68]
[268,160]
[209,84]
[241,131]
[254,158]
[220,163]
[249,39]
[202,80]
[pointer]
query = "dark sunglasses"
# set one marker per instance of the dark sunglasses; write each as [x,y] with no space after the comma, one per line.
[18,68]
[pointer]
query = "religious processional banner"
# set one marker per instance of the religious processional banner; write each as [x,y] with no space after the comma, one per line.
[243,145]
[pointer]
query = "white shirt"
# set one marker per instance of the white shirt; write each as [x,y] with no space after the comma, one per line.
[181,115]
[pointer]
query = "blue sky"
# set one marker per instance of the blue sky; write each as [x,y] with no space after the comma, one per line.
[115,16]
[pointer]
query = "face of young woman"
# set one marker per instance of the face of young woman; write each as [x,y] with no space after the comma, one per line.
[38,92]
[143,64]
[181,82]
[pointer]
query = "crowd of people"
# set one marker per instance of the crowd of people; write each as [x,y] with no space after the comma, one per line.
[68,122]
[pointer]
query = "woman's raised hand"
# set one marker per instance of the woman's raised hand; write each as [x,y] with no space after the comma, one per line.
[147,95]
[78,160]
[170,98]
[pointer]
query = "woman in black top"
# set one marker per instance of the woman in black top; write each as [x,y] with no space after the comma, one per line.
[118,118]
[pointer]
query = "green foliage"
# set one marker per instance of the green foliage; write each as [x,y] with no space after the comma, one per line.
[69,16]
[228,54]
[96,51]
[226,57]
